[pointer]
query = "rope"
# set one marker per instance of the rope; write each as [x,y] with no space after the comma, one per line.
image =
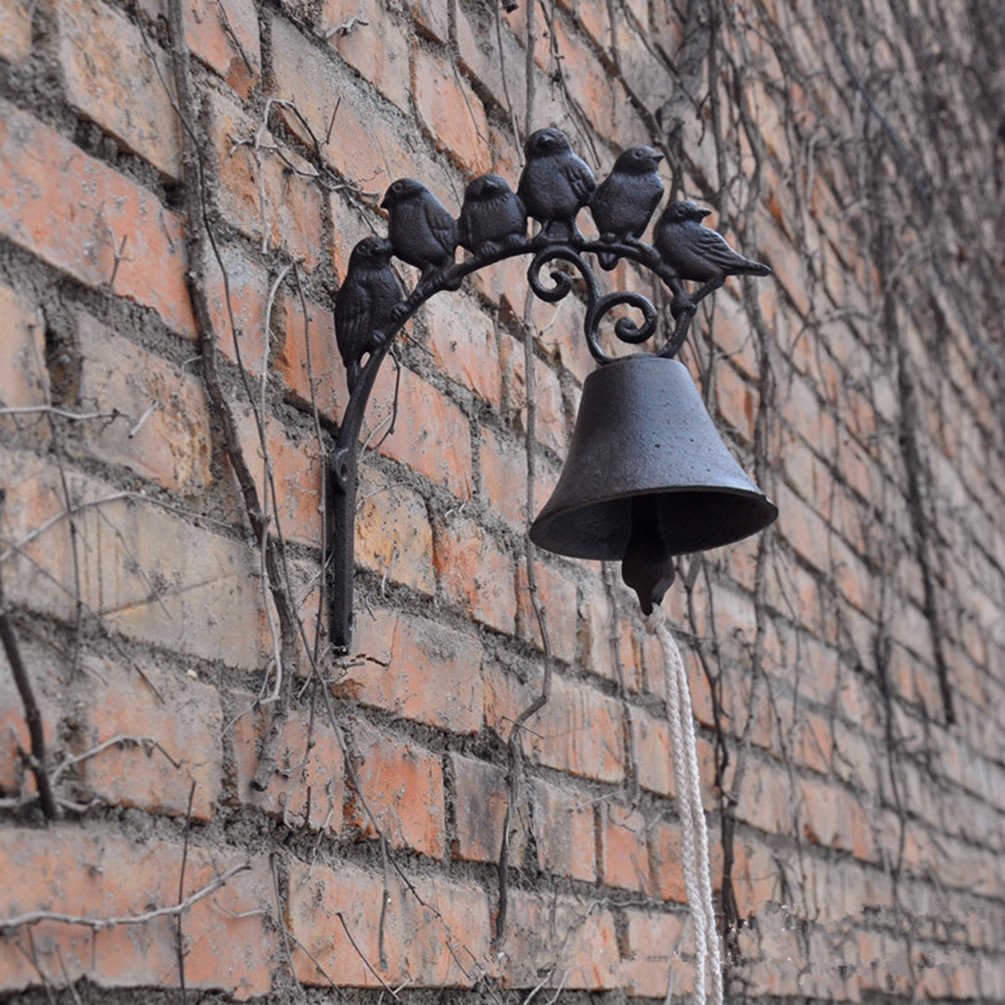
[694,834]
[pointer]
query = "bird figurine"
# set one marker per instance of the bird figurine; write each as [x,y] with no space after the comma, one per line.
[555,184]
[420,229]
[627,198]
[492,217]
[698,253]
[366,302]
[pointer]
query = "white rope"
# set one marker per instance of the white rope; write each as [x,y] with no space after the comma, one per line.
[694,833]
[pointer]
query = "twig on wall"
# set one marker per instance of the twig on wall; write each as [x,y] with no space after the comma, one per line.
[32,713]
[100,924]
[201,243]
[515,744]
[179,924]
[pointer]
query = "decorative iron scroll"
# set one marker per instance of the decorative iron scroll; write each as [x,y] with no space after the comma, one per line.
[372,307]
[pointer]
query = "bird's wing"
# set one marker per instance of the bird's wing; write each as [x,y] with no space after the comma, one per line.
[524,184]
[442,226]
[580,177]
[352,320]
[712,247]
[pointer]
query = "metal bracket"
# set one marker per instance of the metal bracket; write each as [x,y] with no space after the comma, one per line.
[371,307]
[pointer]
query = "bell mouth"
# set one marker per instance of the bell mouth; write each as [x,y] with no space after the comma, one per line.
[691,519]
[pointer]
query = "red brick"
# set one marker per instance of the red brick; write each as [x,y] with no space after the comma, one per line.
[564,832]
[558,332]
[248,286]
[503,464]
[13,728]
[375,44]
[756,882]
[476,573]
[351,225]
[149,574]
[481,799]
[462,339]
[15,32]
[656,944]
[402,785]
[832,818]
[211,27]
[264,196]
[501,75]
[365,147]
[624,857]
[95,42]
[451,112]
[812,742]
[229,936]
[309,778]
[516,21]
[736,402]
[787,264]
[24,380]
[437,945]
[593,16]
[73,212]
[666,856]
[550,424]
[431,434]
[315,339]
[162,431]
[417,669]
[556,595]
[588,83]
[760,804]
[541,928]
[579,730]
[653,753]
[120,702]
[608,643]
[296,475]
[505,285]
[393,534]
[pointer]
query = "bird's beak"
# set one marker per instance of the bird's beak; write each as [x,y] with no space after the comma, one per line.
[703,213]
[657,157]
[385,203]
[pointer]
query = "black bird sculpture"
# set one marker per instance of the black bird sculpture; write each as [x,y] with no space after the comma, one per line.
[555,184]
[366,302]
[698,253]
[627,198]
[493,216]
[420,229]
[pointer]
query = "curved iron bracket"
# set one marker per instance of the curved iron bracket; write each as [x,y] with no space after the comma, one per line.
[371,307]
[341,515]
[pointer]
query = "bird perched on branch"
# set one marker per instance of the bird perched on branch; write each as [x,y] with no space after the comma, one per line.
[492,216]
[555,184]
[365,303]
[627,198]
[698,253]
[420,229]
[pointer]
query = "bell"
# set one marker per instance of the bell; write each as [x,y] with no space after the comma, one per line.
[647,478]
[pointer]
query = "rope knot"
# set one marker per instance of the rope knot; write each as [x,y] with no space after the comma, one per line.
[655,621]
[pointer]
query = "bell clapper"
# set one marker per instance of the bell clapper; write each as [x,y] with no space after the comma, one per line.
[647,565]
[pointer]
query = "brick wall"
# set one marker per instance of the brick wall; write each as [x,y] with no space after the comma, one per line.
[848,666]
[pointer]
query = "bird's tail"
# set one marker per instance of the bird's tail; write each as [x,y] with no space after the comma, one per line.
[607,259]
[752,268]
